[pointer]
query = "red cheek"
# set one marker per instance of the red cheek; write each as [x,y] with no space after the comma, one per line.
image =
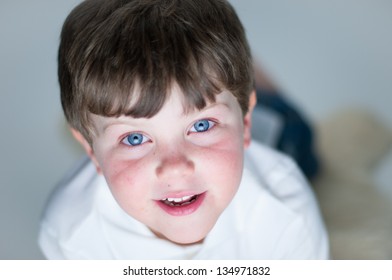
[126,176]
[225,156]
[122,186]
[116,173]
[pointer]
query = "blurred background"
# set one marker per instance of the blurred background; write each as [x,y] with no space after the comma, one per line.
[327,57]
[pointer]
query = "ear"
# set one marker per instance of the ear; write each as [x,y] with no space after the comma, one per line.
[86,146]
[248,119]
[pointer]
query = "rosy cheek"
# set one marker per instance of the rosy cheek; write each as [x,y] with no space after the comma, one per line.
[121,177]
[225,158]
[231,148]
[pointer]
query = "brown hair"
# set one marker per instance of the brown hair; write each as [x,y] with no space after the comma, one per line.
[121,57]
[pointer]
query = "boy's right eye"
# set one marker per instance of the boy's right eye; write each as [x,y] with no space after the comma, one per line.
[135,139]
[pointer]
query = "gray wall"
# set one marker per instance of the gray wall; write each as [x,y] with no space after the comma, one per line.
[324,54]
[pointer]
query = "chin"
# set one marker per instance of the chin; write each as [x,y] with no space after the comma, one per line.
[184,237]
[187,239]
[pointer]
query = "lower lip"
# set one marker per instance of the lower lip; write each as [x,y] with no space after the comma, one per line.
[183,210]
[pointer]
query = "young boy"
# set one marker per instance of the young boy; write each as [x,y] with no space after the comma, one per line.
[160,95]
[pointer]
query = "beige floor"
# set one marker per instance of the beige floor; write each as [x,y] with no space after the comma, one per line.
[353,189]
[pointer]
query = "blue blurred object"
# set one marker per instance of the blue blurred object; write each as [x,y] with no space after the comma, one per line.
[279,124]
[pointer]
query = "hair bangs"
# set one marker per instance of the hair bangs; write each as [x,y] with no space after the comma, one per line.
[144,98]
[138,83]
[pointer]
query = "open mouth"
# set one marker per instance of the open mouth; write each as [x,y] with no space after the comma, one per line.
[180,206]
[181,201]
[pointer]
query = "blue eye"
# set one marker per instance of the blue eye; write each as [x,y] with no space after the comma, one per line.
[202,126]
[135,139]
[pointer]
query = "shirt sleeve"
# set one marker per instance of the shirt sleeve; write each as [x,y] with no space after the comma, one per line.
[305,237]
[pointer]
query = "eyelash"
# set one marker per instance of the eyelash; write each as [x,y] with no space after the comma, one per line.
[211,124]
[125,140]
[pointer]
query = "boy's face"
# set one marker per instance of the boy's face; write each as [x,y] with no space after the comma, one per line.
[174,172]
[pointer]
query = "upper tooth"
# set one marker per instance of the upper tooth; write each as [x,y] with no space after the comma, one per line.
[180,199]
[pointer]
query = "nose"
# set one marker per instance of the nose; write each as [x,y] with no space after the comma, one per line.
[174,164]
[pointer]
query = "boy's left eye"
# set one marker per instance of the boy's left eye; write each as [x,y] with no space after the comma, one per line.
[202,126]
[135,139]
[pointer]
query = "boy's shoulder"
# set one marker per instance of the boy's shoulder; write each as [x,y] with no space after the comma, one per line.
[286,192]
[276,172]
[74,189]
[68,207]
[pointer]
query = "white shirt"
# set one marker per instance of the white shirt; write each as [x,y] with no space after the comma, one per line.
[274,215]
